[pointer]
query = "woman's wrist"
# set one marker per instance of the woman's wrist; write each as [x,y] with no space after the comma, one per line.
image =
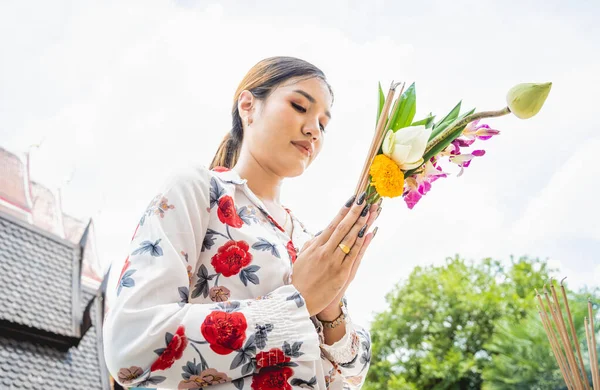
[329,316]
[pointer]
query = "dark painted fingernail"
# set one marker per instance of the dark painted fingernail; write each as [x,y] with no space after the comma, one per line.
[379,201]
[361,198]
[378,212]
[362,231]
[350,201]
[319,232]
[365,210]
[375,231]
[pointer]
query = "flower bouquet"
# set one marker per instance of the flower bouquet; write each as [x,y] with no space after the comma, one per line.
[406,155]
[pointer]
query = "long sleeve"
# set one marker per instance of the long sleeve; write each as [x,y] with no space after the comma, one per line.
[351,355]
[153,336]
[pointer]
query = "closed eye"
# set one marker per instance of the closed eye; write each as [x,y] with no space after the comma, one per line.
[301,109]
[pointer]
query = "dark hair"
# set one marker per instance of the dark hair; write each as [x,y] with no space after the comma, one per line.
[261,80]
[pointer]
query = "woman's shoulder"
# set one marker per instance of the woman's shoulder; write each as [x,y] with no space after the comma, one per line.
[192,180]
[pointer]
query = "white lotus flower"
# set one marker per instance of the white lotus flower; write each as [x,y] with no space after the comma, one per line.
[406,146]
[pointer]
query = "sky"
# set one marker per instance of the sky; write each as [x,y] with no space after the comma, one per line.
[120,94]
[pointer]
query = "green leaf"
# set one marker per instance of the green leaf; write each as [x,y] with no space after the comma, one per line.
[443,317]
[427,122]
[381,103]
[454,135]
[406,109]
[441,125]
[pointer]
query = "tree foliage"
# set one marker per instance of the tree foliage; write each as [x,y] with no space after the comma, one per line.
[466,326]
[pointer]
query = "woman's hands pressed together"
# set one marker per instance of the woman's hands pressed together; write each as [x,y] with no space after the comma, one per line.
[323,271]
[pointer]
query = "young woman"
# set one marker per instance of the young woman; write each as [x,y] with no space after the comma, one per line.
[215,290]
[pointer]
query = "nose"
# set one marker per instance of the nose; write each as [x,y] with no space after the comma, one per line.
[312,129]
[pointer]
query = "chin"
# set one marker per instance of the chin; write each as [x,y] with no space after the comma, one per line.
[294,169]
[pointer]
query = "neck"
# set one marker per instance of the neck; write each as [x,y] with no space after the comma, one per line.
[263,182]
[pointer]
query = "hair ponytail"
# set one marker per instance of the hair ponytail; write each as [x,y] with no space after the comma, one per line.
[229,149]
[261,80]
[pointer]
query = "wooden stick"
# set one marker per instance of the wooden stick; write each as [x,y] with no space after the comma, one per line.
[574,336]
[590,352]
[557,322]
[565,336]
[377,137]
[554,343]
[555,350]
[594,360]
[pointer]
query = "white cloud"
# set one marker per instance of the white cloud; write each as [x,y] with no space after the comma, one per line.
[567,206]
[126,93]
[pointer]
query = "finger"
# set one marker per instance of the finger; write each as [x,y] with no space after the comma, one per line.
[352,222]
[355,236]
[307,244]
[361,252]
[359,239]
[325,235]
[373,214]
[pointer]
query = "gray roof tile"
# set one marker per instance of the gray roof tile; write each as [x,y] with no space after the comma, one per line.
[36,284]
[36,290]
[32,365]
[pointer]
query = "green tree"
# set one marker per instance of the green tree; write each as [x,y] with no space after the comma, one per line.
[438,323]
[521,358]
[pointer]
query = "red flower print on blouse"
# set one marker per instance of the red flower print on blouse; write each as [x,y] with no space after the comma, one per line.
[220,169]
[227,212]
[231,258]
[272,378]
[225,332]
[270,358]
[173,352]
[274,223]
[291,251]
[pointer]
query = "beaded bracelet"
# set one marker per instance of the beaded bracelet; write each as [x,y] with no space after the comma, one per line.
[334,323]
[341,318]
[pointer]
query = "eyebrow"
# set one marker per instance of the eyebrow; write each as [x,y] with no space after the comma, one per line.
[311,99]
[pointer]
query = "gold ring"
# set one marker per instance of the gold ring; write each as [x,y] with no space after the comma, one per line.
[344,248]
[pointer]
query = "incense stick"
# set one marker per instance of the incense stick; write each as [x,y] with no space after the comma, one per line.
[574,335]
[565,337]
[377,137]
[565,344]
[593,356]
[590,352]
[553,342]
[575,376]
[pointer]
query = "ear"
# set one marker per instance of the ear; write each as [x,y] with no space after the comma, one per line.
[246,103]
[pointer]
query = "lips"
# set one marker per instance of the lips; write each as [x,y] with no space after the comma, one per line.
[305,147]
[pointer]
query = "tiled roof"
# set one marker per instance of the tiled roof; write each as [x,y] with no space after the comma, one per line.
[26,364]
[42,309]
[39,283]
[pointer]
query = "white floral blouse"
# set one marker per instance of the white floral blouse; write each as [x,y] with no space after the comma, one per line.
[204,298]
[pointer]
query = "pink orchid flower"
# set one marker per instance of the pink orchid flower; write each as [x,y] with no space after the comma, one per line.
[475,131]
[464,160]
[411,192]
[415,187]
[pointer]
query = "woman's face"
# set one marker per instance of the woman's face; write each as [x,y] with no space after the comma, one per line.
[286,131]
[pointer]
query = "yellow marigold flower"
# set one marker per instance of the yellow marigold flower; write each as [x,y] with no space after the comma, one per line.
[386,177]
